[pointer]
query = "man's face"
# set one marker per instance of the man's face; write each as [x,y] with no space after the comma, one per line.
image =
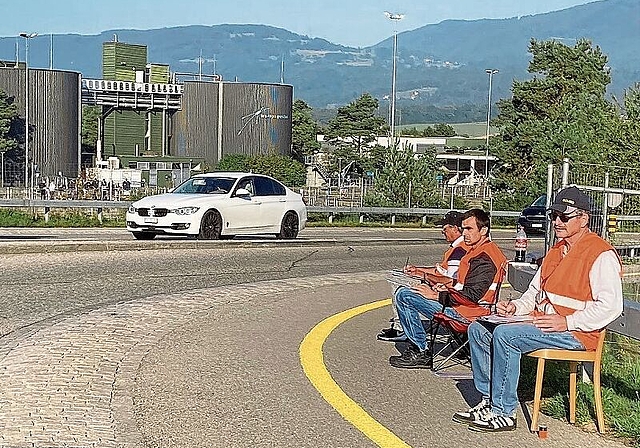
[451,233]
[568,225]
[472,235]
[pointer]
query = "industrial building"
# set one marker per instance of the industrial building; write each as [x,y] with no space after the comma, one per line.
[150,119]
[54,122]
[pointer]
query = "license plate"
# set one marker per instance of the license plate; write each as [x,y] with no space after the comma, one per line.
[151,220]
[536,225]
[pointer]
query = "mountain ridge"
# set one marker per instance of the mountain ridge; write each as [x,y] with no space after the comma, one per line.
[441,65]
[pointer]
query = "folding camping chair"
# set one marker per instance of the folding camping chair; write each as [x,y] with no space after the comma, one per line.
[456,330]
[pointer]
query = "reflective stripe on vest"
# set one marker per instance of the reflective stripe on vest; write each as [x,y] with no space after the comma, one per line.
[489,297]
[565,283]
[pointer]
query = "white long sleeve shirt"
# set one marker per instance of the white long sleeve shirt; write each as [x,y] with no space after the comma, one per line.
[606,289]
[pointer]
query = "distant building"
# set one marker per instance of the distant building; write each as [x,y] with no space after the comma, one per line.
[54,122]
[151,119]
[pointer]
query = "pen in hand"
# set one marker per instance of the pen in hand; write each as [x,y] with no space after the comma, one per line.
[505,307]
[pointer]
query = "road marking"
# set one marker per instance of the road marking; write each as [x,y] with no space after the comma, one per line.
[312,360]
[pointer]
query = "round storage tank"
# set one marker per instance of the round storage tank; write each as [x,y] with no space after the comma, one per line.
[54,119]
[222,118]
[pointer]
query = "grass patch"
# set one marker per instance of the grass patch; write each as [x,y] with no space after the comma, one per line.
[353,220]
[620,389]
[475,129]
[20,218]
[465,142]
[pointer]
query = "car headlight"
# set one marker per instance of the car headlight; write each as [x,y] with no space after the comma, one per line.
[185,210]
[132,209]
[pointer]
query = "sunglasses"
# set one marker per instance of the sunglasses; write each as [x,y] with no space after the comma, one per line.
[564,218]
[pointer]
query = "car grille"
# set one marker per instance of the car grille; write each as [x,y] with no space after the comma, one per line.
[159,212]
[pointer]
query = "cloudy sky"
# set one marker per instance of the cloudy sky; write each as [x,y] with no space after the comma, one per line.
[347,22]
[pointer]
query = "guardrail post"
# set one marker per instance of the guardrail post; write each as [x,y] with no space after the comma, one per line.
[361,219]
[100,215]
[330,218]
[46,214]
[424,220]
[393,220]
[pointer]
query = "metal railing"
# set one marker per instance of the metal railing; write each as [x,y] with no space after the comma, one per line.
[331,212]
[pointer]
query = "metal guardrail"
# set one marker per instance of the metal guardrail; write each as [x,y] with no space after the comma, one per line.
[628,324]
[415,211]
[64,203]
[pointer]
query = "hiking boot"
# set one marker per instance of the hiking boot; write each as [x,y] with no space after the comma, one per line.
[392,335]
[473,414]
[494,423]
[412,358]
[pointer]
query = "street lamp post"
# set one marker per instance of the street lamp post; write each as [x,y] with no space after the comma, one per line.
[2,164]
[395,18]
[26,37]
[490,72]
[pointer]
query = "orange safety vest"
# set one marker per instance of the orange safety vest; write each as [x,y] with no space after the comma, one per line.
[499,260]
[449,252]
[565,280]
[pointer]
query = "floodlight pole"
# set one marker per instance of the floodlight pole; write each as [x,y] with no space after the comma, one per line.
[490,72]
[396,18]
[27,37]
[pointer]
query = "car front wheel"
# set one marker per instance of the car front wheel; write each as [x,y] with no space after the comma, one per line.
[289,227]
[210,226]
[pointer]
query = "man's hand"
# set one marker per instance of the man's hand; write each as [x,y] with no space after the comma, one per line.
[505,308]
[426,291]
[550,322]
[439,287]
[409,269]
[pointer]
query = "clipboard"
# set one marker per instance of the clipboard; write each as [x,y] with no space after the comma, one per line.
[496,319]
[398,277]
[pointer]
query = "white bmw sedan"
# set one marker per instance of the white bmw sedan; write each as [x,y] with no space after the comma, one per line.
[220,205]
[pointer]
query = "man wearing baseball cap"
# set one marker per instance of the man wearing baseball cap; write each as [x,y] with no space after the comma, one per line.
[574,295]
[451,228]
[478,277]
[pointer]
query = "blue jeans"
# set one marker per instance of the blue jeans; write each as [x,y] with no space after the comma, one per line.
[410,306]
[495,359]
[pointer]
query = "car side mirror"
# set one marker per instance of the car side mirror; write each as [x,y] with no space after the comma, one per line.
[242,192]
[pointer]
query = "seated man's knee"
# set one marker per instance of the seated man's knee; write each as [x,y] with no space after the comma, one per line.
[476,331]
[502,333]
[402,294]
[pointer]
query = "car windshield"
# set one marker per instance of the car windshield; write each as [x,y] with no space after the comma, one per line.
[206,185]
[540,202]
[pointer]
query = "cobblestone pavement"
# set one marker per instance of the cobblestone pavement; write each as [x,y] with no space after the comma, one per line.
[69,382]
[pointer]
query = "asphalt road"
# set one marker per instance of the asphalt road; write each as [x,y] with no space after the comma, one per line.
[63,271]
[199,347]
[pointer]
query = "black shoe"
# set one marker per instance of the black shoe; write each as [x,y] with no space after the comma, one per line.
[412,359]
[392,335]
[475,413]
[494,423]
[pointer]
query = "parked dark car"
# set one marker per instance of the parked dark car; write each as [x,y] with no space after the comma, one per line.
[534,217]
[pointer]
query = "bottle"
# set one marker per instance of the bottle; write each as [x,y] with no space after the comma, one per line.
[521,245]
[543,432]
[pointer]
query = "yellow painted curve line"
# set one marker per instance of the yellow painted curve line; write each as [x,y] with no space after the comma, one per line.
[312,360]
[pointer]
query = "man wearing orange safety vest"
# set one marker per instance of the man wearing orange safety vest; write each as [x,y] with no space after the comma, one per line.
[451,228]
[477,281]
[575,294]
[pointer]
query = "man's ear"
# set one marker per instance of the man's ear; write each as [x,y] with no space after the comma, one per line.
[585,223]
[483,231]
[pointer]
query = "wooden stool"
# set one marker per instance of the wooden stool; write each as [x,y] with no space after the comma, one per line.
[573,356]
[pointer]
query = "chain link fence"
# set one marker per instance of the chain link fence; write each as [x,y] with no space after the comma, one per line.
[615,196]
